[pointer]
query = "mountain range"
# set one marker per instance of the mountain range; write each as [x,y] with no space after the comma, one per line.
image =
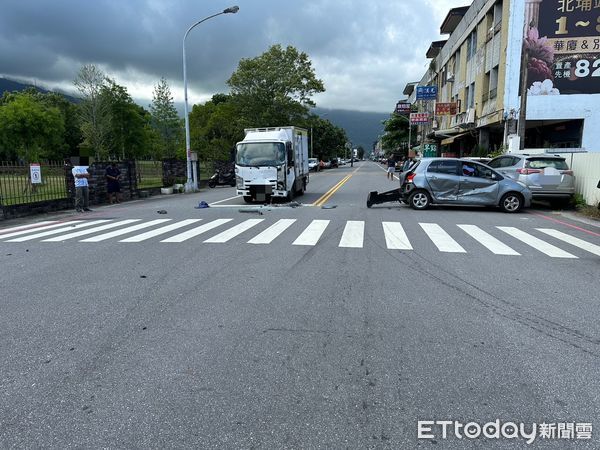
[362,128]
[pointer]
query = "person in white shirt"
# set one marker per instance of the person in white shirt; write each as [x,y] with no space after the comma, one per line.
[82,195]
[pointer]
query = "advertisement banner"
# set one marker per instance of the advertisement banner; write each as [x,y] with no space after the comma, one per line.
[419,118]
[563,46]
[426,93]
[429,151]
[445,109]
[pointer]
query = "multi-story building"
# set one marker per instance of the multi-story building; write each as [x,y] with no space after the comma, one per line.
[477,70]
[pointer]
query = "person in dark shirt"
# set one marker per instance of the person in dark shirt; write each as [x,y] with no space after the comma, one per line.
[391,164]
[113,183]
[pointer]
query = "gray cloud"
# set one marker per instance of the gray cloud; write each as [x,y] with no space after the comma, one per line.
[365,52]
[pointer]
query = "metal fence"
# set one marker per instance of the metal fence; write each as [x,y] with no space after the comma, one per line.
[22,184]
[149,174]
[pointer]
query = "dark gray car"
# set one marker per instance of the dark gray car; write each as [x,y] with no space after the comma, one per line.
[461,182]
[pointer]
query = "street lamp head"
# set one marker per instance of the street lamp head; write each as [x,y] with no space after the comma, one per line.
[231,10]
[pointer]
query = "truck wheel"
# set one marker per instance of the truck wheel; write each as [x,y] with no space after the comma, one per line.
[247,199]
[290,195]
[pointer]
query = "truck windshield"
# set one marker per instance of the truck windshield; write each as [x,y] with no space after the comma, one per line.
[260,154]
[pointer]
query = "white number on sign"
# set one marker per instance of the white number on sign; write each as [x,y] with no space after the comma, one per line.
[583,68]
[596,72]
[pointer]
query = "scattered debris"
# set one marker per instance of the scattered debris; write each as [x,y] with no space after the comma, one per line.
[161,211]
[251,210]
[143,276]
[202,205]
[328,206]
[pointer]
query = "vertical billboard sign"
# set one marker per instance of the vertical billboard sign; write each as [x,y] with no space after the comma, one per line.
[562,40]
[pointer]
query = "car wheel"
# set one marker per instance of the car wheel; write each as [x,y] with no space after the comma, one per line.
[247,199]
[419,200]
[511,202]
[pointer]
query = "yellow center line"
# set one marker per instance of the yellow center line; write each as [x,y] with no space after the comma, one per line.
[321,201]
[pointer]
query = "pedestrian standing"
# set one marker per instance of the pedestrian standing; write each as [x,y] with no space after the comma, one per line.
[391,164]
[113,183]
[82,193]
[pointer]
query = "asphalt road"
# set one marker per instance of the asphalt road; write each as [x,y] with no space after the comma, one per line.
[295,327]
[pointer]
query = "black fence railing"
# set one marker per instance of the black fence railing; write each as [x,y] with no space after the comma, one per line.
[24,183]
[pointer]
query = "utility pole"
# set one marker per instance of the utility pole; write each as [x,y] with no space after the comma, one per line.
[523,106]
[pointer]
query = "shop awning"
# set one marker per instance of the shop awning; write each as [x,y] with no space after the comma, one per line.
[450,140]
[446,132]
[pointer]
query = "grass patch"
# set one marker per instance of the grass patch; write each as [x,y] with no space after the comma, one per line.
[593,212]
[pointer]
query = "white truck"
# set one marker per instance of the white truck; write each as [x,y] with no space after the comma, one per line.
[272,162]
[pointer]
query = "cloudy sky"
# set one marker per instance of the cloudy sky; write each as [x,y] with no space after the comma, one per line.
[364,51]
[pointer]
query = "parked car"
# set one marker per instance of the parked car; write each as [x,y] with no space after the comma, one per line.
[313,164]
[460,182]
[333,163]
[548,176]
[480,159]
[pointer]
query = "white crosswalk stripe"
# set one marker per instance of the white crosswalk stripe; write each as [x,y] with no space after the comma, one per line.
[65,229]
[181,237]
[580,243]
[311,235]
[32,227]
[538,244]
[32,230]
[441,239]
[267,236]
[131,229]
[162,230]
[64,237]
[395,237]
[488,241]
[353,235]
[227,235]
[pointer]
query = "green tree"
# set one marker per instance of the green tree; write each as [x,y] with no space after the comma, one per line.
[94,110]
[29,129]
[360,152]
[396,133]
[165,121]
[328,140]
[275,88]
[127,137]
[70,114]
[215,127]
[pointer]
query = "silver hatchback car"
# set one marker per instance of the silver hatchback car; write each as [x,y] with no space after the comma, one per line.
[548,176]
[461,182]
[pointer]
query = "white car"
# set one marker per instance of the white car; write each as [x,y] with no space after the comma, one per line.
[313,164]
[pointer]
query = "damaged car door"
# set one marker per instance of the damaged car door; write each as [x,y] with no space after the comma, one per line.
[443,179]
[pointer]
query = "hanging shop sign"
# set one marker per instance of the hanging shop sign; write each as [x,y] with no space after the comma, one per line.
[426,93]
[402,108]
[445,109]
[419,118]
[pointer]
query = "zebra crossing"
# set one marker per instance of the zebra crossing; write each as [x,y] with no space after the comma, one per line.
[496,240]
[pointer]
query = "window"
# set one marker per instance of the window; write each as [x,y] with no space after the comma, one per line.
[472,44]
[542,163]
[457,64]
[497,14]
[471,96]
[493,83]
[445,167]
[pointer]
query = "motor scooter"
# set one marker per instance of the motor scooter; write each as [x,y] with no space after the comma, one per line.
[222,177]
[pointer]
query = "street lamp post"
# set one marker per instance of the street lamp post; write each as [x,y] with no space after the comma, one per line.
[192,184]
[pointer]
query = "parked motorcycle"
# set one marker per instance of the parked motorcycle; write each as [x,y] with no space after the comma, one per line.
[222,177]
